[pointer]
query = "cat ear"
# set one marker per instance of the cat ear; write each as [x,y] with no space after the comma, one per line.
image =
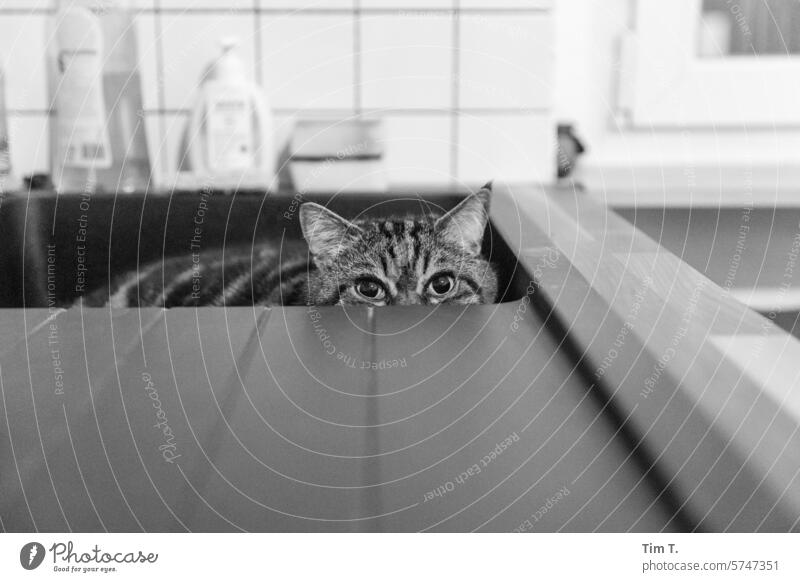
[324,230]
[464,225]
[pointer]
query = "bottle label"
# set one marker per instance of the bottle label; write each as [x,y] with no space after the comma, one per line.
[230,132]
[82,134]
[5,160]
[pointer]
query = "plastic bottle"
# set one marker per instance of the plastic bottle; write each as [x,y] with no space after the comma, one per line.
[5,156]
[98,137]
[122,89]
[230,131]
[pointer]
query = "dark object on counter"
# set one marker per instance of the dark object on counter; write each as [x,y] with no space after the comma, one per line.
[569,149]
[39,181]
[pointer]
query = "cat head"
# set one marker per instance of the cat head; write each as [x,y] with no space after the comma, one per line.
[409,261]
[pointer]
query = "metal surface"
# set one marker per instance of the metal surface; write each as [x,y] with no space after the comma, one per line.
[296,420]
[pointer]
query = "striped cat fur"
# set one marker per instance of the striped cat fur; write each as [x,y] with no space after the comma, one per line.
[395,261]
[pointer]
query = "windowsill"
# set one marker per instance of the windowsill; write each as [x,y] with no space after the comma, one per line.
[681,197]
[649,186]
[714,166]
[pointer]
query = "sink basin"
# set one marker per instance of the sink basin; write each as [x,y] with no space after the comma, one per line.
[61,247]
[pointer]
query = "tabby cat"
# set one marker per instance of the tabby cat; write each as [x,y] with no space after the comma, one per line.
[395,261]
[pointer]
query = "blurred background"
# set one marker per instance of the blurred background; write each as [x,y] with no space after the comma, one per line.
[466,89]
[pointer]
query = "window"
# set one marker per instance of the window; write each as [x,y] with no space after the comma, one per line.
[716,64]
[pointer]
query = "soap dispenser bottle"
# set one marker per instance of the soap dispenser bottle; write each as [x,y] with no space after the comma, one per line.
[5,154]
[98,136]
[230,130]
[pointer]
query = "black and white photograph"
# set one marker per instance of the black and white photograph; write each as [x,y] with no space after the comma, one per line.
[283,267]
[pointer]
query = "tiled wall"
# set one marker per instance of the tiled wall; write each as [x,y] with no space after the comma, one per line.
[464,85]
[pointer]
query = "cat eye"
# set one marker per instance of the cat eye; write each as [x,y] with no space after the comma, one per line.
[370,289]
[441,284]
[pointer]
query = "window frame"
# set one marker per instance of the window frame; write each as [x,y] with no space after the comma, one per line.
[674,87]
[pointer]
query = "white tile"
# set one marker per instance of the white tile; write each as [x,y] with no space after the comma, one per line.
[408,4]
[506,147]
[506,3]
[191,42]
[29,142]
[24,60]
[407,60]
[147,45]
[207,4]
[26,4]
[307,4]
[506,61]
[418,149]
[307,61]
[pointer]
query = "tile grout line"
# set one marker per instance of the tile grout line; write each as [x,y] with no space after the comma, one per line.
[476,111]
[357,63]
[398,111]
[455,87]
[257,41]
[301,12]
[337,11]
[507,11]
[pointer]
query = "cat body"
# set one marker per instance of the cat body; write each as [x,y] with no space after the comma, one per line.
[415,260]
[237,276]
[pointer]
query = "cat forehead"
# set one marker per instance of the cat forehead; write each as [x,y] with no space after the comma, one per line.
[397,244]
[399,226]
[398,233]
